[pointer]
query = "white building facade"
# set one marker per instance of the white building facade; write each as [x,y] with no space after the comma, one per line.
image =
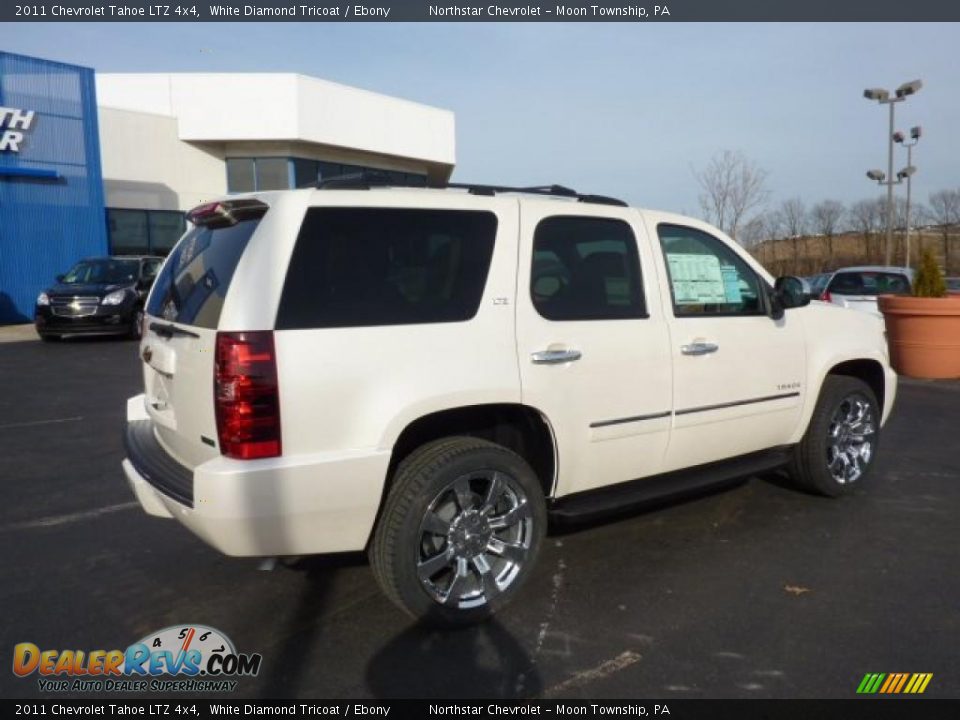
[170,142]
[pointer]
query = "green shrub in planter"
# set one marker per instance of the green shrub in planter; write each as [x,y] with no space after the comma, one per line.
[929,280]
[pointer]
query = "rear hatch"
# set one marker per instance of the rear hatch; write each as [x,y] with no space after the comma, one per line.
[180,333]
[858,289]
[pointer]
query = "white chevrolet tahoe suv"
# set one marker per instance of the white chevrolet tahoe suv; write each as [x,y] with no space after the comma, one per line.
[427,375]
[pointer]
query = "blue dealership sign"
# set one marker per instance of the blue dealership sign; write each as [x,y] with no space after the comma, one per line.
[51,187]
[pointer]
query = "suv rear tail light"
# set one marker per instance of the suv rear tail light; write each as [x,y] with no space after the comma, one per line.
[246,395]
[826,296]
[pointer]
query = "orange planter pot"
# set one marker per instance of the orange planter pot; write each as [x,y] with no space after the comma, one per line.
[923,335]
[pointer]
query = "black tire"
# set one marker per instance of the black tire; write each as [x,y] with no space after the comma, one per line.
[841,396]
[136,324]
[423,493]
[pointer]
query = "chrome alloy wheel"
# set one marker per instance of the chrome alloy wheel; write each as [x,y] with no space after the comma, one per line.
[850,442]
[474,538]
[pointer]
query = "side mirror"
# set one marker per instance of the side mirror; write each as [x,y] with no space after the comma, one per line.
[788,292]
[59,278]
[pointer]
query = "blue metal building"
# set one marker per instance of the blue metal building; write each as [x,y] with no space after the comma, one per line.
[51,189]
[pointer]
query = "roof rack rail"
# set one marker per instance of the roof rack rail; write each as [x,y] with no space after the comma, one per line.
[370,179]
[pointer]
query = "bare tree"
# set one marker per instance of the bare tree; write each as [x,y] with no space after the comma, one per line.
[945,212]
[758,230]
[827,217]
[732,186]
[867,217]
[791,217]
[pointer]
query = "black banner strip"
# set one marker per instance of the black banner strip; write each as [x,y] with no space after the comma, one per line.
[530,11]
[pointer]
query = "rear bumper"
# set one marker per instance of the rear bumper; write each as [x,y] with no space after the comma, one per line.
[320,503]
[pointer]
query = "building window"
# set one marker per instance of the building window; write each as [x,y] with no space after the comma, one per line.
[274,173]
[240,175]
[305,172]
[143,232]
[128,233]
[165,229]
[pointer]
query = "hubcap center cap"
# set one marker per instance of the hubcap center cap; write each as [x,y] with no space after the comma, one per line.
[469,534]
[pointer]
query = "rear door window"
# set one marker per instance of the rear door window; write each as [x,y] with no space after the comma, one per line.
[586,268]
[193,284]
[869,282]
[356,267]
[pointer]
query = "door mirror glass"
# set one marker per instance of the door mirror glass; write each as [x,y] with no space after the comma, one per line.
[791,292]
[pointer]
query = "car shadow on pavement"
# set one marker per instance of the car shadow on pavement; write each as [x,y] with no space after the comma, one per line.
[300,628]
[484,660]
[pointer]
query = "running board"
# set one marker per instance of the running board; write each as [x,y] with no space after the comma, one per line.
[633,493]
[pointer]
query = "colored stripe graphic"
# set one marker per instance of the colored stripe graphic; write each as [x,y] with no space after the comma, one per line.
[891,679]
[894,683]
[903,680]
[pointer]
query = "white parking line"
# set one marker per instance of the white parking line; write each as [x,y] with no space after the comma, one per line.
[585,677]
[32,423]
[66,519]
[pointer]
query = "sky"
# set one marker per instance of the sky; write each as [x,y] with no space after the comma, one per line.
[630,110]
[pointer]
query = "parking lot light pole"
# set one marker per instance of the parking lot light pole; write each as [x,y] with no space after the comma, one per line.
[915,133]
[883,98]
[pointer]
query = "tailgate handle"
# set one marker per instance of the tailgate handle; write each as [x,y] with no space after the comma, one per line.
[168,330]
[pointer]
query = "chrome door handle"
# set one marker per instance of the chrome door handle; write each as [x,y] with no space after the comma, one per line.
[699,348]
[555,357]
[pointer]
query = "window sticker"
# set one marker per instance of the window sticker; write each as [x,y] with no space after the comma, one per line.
[731,284]
[699,280]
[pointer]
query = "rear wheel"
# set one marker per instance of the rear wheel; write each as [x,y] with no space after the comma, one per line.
[460,530]
[840,444]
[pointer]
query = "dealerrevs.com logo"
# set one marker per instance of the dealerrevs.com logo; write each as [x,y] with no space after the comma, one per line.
[188,658]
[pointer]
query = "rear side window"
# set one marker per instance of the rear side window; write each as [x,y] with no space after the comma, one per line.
[586,268]
[193,284]
[869,282]
[358,267]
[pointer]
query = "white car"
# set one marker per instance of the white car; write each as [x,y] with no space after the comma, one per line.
[428,374]
[858,287]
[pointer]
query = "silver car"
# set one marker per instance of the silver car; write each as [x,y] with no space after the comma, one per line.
[858,287]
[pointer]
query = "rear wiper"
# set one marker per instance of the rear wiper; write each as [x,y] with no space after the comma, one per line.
[168,330]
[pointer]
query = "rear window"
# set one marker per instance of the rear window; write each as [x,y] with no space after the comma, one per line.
[355,267]
[869,282]
[817,283]
[193,284]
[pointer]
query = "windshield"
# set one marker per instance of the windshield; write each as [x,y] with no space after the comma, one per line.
[105,271]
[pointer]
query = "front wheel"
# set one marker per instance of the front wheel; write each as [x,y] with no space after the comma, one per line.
[460,530]
[839,447]
[136,324]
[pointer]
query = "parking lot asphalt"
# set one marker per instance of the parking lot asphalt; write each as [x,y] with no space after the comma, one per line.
[755,591]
